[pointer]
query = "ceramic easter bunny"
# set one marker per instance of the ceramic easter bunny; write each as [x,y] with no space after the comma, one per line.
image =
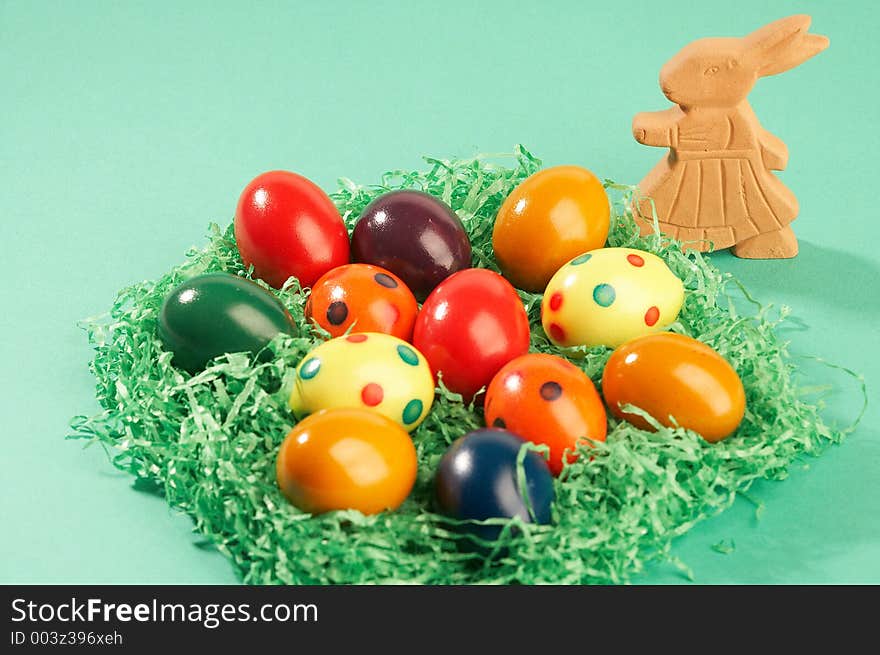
[716,187]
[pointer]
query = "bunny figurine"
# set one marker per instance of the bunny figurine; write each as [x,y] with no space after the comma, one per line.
[716,186]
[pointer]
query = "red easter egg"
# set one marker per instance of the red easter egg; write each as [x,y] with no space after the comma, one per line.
[470,326]
[285,225]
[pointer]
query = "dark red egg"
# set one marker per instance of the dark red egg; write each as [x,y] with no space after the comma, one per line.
[415,236]
[470,326]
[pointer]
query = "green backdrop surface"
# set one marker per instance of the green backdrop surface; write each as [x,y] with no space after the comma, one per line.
[125,127]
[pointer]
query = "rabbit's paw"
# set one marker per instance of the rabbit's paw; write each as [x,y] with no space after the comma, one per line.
[780,244]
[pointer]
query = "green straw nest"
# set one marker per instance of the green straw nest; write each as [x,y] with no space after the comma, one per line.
[209,441]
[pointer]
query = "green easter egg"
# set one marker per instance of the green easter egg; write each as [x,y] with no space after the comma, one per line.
[217,313]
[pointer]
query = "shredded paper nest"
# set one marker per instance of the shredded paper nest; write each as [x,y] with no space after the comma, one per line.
[208,442]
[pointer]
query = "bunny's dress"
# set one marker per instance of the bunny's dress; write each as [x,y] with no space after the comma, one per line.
[715,185]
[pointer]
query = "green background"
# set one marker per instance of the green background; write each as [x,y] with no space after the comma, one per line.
[125,127]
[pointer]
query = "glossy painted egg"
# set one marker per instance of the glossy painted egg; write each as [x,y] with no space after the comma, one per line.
[364,298]
[346,459]
[608,296]
[469,327]
[477,480]
[671,376]
[285,225]
[551,217]
[218,313]
[369,371]
[547,400]
[415,236]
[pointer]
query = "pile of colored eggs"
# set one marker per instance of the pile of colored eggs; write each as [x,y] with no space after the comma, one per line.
[359,394]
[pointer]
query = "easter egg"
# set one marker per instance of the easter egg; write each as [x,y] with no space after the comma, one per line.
[415,236]
[346,459]
[285,225]
[470,326]
[364,298]
[671,376]
[608,296]
[552,216]
[477,480]
[365,370]
[547,400]
[218,313]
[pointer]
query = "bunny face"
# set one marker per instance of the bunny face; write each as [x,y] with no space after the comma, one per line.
[709,73]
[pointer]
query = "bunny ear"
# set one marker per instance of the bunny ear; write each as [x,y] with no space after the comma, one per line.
[783,44]
[802,48]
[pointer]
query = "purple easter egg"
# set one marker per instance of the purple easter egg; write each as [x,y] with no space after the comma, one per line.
[415,236]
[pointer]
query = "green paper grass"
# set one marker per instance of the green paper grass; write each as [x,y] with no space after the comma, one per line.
[208,442]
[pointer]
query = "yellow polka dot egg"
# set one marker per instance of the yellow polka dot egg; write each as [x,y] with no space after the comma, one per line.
[367,370]
[609,296]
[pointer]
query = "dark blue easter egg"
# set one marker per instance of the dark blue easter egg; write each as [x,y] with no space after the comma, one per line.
[477,480]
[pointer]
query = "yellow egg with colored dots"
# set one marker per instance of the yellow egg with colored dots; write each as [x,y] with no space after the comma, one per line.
[366,370]
[609,296]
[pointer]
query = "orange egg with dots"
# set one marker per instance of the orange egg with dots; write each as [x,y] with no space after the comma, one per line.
[551,217]
[341,459]
[676,380]
[362,298]
[547,400]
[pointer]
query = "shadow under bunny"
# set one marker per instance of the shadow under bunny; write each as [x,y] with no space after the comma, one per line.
[838,280]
